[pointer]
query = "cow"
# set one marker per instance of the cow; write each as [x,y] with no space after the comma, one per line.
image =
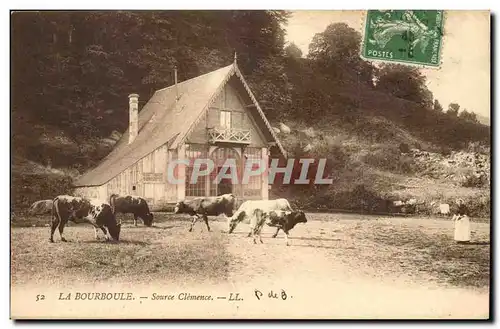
[247,209]
[131,205]
[282,220]
[96,212]
[207,206]
[41,207]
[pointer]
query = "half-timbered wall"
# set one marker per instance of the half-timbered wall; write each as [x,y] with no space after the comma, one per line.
[227,101]
[148,177]
[96,192]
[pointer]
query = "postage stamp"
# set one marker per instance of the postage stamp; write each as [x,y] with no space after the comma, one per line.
[405,36]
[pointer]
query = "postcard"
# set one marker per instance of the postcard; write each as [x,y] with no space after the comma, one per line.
[260,164]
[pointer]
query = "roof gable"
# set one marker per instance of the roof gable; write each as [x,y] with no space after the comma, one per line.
[163,120]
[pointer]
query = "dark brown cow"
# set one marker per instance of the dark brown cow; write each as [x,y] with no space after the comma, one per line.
[207,206]
[131,205]
[93,211]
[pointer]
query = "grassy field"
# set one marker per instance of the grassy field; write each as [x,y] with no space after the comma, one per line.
[420,248]
[143,254]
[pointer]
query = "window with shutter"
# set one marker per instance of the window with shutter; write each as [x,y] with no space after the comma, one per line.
[225,119]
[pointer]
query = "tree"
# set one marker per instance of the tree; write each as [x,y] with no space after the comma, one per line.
[468,116]
[338,42]
[437,106]
[453,109]
[74,70]
[293,51]
[77,68]
[271,86]
[404,82]
[336,50]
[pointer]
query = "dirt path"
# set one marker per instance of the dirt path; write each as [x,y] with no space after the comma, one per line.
[328,273]
[337,266]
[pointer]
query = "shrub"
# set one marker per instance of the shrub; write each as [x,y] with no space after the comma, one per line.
[478,147]
[446,151]
[474,181]
[479,207]
[404,148]
[358,198]
[26,189]
[389,159]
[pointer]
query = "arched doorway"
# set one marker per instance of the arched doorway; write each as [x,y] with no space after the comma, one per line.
[219,156]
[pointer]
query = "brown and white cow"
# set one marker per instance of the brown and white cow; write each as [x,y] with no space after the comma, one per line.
[282,220]
[207,206]
[131,205]
[96,212]
[41,207]
[247,210]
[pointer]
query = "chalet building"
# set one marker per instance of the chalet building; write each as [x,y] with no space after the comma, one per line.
[213,116]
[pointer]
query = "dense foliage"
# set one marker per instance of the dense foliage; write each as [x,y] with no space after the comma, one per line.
[73,71]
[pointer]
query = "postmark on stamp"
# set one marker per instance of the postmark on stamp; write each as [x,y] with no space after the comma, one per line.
[404,36]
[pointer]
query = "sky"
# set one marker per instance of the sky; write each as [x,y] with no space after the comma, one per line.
[464,75]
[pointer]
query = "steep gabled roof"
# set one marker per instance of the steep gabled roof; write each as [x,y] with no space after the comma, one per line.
[161,122]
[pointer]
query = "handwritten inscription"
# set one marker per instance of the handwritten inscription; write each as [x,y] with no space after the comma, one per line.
[271,294]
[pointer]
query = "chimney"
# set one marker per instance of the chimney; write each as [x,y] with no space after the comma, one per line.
[133,117]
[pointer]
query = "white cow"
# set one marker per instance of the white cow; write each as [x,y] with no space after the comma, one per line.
[247,209]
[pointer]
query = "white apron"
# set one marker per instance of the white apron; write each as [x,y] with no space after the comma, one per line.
[462,228]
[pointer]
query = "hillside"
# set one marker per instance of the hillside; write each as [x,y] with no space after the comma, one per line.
[371,167]
[70,87]
[370,171]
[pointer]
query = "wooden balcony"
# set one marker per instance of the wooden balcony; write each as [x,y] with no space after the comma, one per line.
[223,135]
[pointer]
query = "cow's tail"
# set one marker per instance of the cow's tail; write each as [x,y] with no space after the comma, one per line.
[112,202]
[52,211]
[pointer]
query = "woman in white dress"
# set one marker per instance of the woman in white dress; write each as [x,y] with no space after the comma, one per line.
[462,223]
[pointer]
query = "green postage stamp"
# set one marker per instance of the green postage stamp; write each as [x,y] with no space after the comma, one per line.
[405,36]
